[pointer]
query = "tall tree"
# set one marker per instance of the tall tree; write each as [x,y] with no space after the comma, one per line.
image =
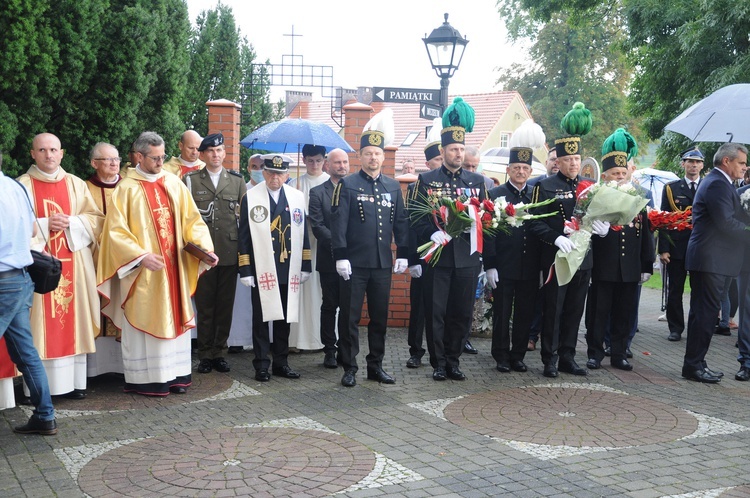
[569,63]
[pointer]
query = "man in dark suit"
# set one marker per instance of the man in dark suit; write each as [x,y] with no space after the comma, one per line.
[450,284]
[320,221]
[367,214]
[743,286]
[715,251]
[217,192]
[678,196]
[512,266]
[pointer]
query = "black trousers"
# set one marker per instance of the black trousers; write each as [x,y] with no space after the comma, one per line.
[563,310]
[376,284]
[214,300]
[613,306]
[416,317]
[262,345]
[513,303]
[330,286]
[705,303]
[675,312]
[449,306]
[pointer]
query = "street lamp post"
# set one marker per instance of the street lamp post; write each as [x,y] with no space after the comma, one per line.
[445,48]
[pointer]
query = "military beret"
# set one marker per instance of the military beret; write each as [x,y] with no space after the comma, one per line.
[213,140]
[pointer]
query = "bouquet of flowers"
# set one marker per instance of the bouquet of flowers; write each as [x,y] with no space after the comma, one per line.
[672,220]
[469,214]
[615,203]
[745,201]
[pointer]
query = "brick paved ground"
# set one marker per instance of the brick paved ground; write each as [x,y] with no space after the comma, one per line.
[646,433]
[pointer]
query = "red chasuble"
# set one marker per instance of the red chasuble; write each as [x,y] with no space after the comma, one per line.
[59,305]
[161,213]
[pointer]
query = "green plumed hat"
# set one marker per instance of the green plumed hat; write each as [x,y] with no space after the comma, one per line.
[576,123]
[458,119]
[617,149]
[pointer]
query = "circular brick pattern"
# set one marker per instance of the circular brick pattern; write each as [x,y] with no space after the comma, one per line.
[234,462]
[104,393]
[570,417]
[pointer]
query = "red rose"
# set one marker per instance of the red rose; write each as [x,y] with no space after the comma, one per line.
[510,210]
[583,185]
[474,201]
[486,216]
[488,205]
[460,206]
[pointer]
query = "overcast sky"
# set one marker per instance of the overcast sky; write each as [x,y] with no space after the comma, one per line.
[375,43]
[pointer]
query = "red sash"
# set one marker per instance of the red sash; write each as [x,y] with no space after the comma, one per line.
[162,216]
[58,305]
[184,170]
[7,368]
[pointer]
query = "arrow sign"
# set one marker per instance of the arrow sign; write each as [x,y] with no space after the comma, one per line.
[429,111]
[406,95]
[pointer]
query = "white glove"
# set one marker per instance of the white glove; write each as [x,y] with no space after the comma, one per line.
[492,277]
[645,277]
[344,268]
[564,244]
[440,237]
[600,228]
[415,271]
[401,265]
[304,277]
[247,281]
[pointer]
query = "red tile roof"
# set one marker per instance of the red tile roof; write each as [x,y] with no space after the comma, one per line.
[489,108]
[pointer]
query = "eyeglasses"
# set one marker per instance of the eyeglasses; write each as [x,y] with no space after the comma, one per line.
[156,159]
[108,159]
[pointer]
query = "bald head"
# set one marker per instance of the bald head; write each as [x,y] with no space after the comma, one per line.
[189,143]
[338,164]
[47,152]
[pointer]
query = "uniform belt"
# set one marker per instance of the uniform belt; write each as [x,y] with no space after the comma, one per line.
[11,273]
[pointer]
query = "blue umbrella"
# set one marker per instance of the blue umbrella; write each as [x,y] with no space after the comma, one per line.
[290,135]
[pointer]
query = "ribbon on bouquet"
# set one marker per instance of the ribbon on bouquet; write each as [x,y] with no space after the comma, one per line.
[475,235]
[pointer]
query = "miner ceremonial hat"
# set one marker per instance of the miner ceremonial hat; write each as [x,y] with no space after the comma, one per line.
[525,139]
[617,149]
[313,150]
[432,149]
[577,122]
[276,162]
[213,140]
[693,153]
[379,130]
[458,120]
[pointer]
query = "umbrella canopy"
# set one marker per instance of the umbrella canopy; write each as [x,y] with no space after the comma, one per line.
[723,116]
[654,180]
[289,135]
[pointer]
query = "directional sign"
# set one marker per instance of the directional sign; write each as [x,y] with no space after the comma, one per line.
[405,95]
[429,111]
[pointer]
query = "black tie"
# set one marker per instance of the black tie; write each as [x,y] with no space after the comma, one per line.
[692,187]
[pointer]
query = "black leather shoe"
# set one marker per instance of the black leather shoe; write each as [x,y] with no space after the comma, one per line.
[221,365]
[285,371]
[628,353]
[700,376]
[518,366]
[621,364]
[439,374]
[722,331]
[503,366]
[593,364]
[717,373]
[571,367]
[674,337]
[414,362]
[36,426]
[205,366]
[379,375]
[235,349]
[455,373]
[76,394]
[178,390]
[349,380]
[262,375]
[330,360]
[468,348]
[743,375]
[550,371]
[608,351]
